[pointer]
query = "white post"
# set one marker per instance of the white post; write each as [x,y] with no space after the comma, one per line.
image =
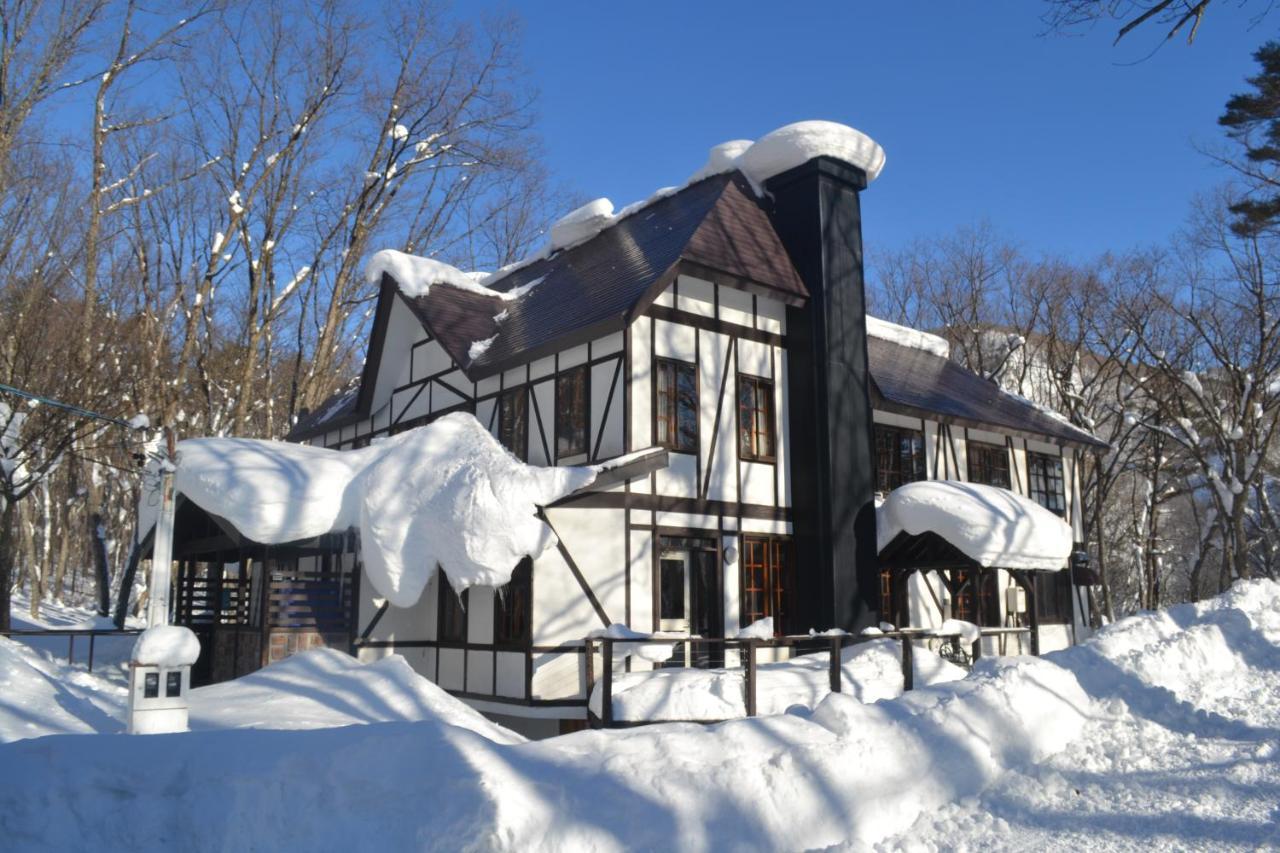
[162,548]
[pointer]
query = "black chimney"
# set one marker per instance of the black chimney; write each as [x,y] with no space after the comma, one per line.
[816,211]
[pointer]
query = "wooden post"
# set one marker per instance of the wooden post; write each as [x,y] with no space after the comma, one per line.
[71,649]
[833,666]
[1033,611]
[606,685]
[977,648]
[92,637]
[589,647]
[908,664]
[751,678]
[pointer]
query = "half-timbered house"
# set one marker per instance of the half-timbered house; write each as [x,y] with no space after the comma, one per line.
[724,325]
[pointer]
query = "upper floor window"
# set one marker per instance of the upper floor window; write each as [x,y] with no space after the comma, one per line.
[988,464]
[676,405]
[899,457]
[572,415]
[1048,487]
[513,421]
[755,419]
[512,606]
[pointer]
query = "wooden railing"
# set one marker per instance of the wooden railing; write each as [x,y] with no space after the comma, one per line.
[748,649]
[90,634]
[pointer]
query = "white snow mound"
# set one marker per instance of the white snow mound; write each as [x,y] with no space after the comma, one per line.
[793,144]
[581,224]
[415,275]
[166,645]
[446,493]
[993,526]
[908,337]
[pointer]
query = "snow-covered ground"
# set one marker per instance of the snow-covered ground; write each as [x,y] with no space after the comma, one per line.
[1160,733]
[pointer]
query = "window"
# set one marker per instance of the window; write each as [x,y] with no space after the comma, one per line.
[986,584]
[899,457]
[988,464]
[452,621]
[513,422]
[571,412]
[766,580]
[513,606]
[1053,597]
[675,405]
[1047,484]
[755,419]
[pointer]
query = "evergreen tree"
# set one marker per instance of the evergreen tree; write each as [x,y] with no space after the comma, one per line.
[1252,119]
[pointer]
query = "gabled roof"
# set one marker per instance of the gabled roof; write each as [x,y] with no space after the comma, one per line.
[927,385]
[601,285]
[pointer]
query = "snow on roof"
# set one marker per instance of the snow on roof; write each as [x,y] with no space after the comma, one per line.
[908,337]
[444,494]
[794,144]
[166,645]
[415,275]
[992,526]
[772,154]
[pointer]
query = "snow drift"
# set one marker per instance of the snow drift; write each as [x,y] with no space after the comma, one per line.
[443,494]
[846,773]
[991,526]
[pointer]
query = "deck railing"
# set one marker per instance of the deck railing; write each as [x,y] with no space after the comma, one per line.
[72,634]
[748,653]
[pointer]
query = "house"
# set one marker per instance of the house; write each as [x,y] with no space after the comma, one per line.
[720,327]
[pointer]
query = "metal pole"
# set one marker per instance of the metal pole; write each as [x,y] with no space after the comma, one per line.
[908,665]
[751,678]
[92,637]
[162,549]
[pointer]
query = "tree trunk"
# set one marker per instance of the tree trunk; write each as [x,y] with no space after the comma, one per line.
[8,545]
[126,584]
[98,542]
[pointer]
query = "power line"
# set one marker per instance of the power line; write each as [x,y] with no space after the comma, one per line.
[58,404]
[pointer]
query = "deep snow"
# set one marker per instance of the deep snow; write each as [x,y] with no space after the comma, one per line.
[1158,733]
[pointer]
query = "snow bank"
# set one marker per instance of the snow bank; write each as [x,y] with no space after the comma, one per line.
[869,672]
[40,696]
[324,688]
[847,774]
[166,645]
[993,526]
[908,337]
[446,493]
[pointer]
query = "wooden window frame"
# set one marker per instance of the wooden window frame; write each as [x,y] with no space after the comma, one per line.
[505,399]
[979,456]
[1048,469]
[1055,594]
[887,481]
[507,602]
[673,429]
[754,454]
[445,596]
[778,581]
[562,378]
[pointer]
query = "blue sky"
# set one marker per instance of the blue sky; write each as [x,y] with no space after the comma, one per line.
[1065,144]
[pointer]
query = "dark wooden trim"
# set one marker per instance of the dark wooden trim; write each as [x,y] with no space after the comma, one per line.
[537,413]
[713,324]
[577,573]
[664,503]
[373,623]
[729,353]
[608,407]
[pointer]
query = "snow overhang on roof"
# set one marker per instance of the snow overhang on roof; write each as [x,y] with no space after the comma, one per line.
[445,494]
[991,526]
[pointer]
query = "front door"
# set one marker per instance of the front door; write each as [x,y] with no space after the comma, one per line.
[689,597]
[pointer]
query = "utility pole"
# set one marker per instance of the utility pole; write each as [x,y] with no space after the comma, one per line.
[162,548]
